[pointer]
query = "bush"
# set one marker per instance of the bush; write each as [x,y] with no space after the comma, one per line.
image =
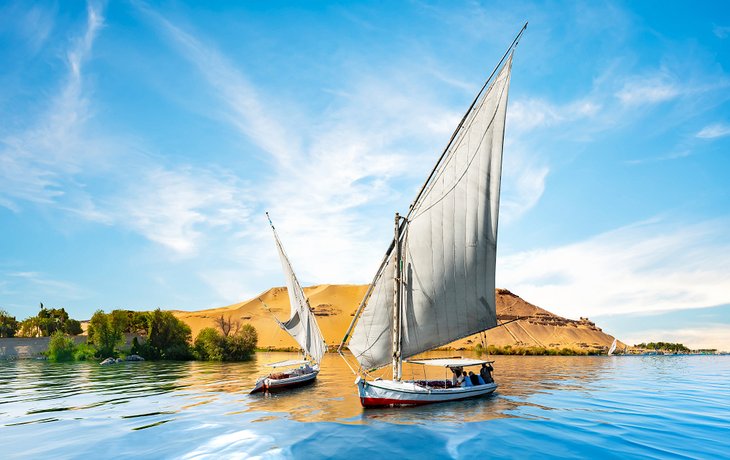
[210,345]
[242,344]
[104,333]
[8,325]
[72,327]
[168,337]
[85,352]
[60,348]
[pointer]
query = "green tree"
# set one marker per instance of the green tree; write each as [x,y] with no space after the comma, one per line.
[60,348]
[210,345]
[30,327]
[168,337]
[241,345]
[104,333]
[72,327]
[138,322]
[120,320]
[8,324]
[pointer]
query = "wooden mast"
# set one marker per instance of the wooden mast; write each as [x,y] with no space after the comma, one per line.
[397,362]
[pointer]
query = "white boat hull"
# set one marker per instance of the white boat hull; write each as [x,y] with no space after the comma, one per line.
[390,393]
[273,384]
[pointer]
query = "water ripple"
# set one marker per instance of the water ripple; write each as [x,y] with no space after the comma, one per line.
[545,407]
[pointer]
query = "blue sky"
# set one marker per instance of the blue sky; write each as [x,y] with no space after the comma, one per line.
[141,143]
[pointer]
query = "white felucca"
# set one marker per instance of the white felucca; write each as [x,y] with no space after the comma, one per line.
[436,281]
[613,347]
[302,326]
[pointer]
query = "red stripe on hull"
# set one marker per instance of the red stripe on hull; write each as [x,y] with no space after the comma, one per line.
[387,402]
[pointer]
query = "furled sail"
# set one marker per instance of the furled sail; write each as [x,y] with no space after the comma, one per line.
[448,245]
[302,325]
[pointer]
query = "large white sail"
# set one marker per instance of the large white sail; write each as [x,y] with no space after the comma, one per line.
[448,245]
[302,325]
[372,339]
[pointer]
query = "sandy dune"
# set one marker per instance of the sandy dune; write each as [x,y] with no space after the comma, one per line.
[335,305]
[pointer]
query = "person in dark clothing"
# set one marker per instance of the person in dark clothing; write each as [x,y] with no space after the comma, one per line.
[473,378]
[486,372]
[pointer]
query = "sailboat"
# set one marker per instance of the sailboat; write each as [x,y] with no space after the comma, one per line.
[436,281]
[613,347]
[302,327]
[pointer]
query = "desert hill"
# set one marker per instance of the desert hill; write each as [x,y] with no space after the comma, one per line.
[335,305]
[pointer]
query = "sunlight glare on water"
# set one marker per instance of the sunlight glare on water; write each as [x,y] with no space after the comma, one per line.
[545,407]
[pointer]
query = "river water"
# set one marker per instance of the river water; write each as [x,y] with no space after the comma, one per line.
[545,407]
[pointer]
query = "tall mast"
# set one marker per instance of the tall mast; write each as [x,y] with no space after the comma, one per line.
[397,362]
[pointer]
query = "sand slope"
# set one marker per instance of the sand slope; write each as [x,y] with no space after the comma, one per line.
[335,305]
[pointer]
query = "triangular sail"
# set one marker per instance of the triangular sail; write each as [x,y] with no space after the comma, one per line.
[448,247]
[302,325]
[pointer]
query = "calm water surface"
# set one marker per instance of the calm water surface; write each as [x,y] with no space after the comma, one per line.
[546,407]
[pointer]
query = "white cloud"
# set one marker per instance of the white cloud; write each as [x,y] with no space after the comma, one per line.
[244,108]
[714,131]
[524,183]
[721,31]
[36,164]
[638,268]
[650,89]
[174,207]
[329,178]
[528,114]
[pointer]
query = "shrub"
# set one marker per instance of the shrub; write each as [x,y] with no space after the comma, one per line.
[72,327]
[241,345]
[60,348]
[104,333]
[168,337]
[210,345]
[85,352]
[8,325]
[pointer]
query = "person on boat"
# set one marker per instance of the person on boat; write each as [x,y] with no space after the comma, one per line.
[456,371]
[480,379]
[307,368]
[466,382]
[486,372]
[473,378]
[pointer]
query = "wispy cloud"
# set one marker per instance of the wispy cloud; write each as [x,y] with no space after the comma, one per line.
[34,164]
[650,89]
[43,288]
[328,177]
[175,207]
[714,130]
[244,108]
[721,31]
[531,113]
[650,266]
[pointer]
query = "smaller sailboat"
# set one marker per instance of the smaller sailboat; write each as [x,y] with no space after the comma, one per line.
[613,347]
[302,327]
